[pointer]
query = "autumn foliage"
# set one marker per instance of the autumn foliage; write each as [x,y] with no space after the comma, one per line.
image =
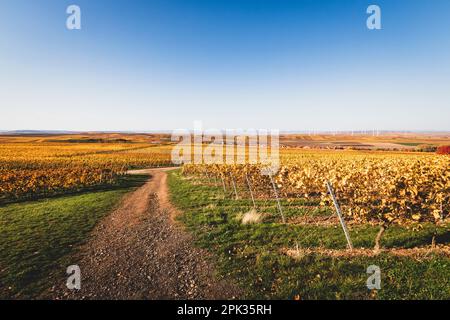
[29,170]
[443,150]
[379,187]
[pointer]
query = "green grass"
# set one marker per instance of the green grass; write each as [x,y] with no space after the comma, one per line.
[250,254]
[409,144]
[37,237]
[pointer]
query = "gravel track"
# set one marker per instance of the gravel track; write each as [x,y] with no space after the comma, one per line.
[140,252]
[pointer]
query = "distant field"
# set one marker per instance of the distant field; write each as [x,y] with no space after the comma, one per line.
[51,165]
[365,141]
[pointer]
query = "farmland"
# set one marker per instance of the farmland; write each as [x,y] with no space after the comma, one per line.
[383,188]
[395,206]
[32,169]
[308,258]
[273,236]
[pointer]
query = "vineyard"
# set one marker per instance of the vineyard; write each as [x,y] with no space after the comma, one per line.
[29,170]
[280,236]
[277,236]
[372,188]
[378,188]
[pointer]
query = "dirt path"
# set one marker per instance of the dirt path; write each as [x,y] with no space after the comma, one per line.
[139,252]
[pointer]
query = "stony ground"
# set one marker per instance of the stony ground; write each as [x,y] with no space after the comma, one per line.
[140,252]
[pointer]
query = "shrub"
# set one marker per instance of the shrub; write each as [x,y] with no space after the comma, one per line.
[426,148]
[443,150]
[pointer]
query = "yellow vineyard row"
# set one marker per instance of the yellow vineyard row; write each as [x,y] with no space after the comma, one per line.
[43,169]
[388,188]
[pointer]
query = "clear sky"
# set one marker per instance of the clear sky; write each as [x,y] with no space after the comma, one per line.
[275,64]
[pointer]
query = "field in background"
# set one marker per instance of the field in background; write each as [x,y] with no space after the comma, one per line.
[55,186]
[33,167]
[372,140]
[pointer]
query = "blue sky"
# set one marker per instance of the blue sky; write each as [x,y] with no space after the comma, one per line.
[281,64]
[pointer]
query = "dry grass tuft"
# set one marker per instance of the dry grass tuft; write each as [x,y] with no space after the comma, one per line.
[251,217]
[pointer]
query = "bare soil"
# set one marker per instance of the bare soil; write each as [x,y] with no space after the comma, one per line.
[139,251]
[419,253]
